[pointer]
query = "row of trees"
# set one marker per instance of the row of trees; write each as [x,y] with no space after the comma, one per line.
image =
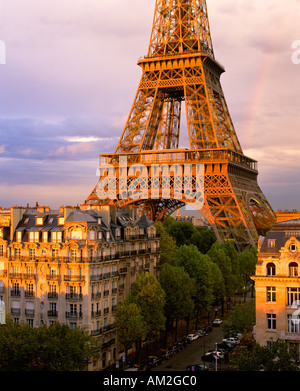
[46,348]
[197,273]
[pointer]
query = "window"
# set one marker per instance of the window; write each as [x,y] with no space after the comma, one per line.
[271,321]
[271,269]
[92,235]
[61,221]
[76,234]
[271,294]
[39,221]
[100,235]
[293,323]
[32,253]
[19,236]
[30,322]
[73,255]
[55,253]
[293,296]
[17,253]
[45,237]
[1,250]
[29,271]
[56,237]
[293,247]
[271,243]
[293,269]
[33,236]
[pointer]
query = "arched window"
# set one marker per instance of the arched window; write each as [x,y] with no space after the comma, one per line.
[293,269]
[271,269]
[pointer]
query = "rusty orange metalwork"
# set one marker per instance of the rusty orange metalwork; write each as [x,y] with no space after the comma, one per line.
[180,67]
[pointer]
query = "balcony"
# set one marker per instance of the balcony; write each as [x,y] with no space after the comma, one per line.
[74,296]
[52,314]
[15,311]
[15,293]
[29,312]
[96,296]
[74,278]
[123,270]
[15,275]
[95,314]
[52,277]
[74,315]
[29,294]
[52,295]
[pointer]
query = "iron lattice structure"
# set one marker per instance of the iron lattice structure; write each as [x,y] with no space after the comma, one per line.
[180,68]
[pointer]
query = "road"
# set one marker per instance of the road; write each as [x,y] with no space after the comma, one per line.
[193,352]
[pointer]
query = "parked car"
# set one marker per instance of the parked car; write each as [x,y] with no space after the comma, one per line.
[220,353]
[231,340]
[217,322]
[200,333]
[226,346]
[180,345]
[192,337]
[166,354]
[154,361]
[206,330]
[210,357]
[237,335]
[132,369]
[197,367]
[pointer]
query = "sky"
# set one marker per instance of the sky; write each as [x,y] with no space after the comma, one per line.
[71,74]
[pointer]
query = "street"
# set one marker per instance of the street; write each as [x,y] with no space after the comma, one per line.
[193,352]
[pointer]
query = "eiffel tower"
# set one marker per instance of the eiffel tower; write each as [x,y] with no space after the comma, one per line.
[180,68]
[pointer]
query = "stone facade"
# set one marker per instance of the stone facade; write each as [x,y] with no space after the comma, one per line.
[277,285]
[74,265]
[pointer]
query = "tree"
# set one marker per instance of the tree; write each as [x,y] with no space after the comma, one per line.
[279,356]
[220,255]
[181,231]
[247,263]
[242,319]
[203,238]
[167,245]
[199,267]
[48,348]
[179,289]
[149,296]
[130,324]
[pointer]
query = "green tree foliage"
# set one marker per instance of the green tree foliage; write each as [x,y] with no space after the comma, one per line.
[203,238]
[130,324]
[247,263]
[221,253]
[242,319]
[280,356]
[200,268]
[181,231]
[149,296]
[167,245]
[179,289]
[47,348]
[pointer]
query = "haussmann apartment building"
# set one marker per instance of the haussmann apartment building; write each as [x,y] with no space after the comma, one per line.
[277,285]
[74,265]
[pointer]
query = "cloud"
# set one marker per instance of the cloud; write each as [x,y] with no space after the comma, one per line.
[71,77]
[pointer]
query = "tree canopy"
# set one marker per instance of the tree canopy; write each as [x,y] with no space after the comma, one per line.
[46,348]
